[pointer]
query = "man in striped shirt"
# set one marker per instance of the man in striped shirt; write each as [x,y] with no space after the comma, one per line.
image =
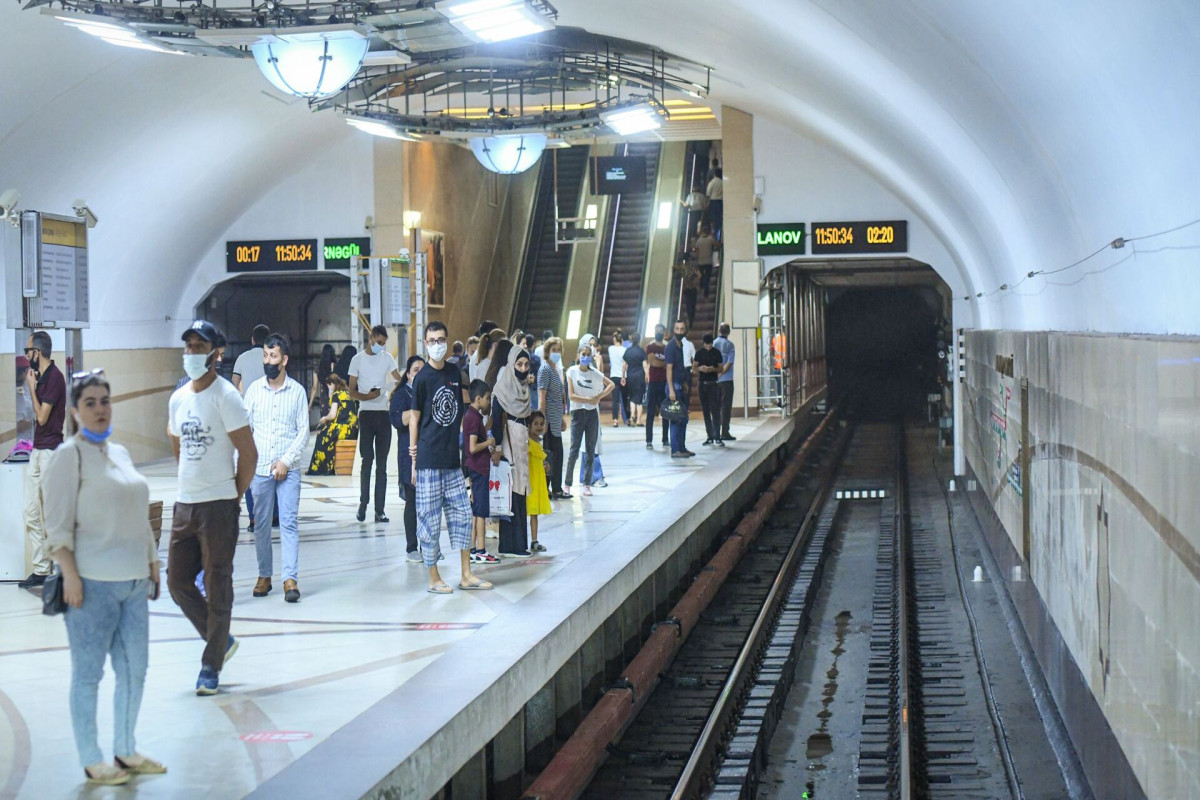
[278,408]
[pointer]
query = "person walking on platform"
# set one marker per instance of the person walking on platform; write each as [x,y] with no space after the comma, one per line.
[552,400]
[435,423]
[340,422]
[510,432]
[586,388]
[48,393]
[708,366]
[656,384]
[678,388]
[635,381]
[616,373]
[372,375]
[399,412]
[97,531]
[279,420]
[725,379]
[246,370]
[208,424]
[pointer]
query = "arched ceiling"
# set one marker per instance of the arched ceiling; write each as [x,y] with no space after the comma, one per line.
[1025,134]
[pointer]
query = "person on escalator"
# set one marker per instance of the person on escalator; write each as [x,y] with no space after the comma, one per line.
[705,249]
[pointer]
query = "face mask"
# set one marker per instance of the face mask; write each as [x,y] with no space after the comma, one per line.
[376,348]
[679,337]
[658,337]
[436,351]
[522,375]
[585,361]
[555,358]
[95,438]
[272,371]
[627,343]
[196,365]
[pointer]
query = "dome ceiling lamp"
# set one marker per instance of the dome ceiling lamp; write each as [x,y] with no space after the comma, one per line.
[509,154]
[311,62]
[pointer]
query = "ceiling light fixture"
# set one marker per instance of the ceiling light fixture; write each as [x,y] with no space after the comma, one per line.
[376,128]
[628,121]
[311,63]
[496,20]
[509,155]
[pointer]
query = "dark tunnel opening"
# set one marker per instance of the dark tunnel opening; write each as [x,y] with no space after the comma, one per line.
[882,345]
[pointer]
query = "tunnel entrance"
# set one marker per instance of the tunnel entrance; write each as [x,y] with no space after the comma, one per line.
[312,308]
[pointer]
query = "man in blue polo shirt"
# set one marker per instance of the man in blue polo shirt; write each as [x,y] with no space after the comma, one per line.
[677,389]
[725,379]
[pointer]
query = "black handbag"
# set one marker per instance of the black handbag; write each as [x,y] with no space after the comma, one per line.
[52,594]
[674,411]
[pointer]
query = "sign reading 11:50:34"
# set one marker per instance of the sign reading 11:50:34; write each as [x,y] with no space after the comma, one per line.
[833,238]
[272,255]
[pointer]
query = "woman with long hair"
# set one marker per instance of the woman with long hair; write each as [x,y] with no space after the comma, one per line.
[340,422]
[326,364]
[343,362]
[398,412]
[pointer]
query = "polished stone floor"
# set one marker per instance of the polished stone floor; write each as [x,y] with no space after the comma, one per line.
[364,626]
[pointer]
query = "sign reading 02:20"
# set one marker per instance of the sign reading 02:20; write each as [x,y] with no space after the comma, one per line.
[831,238]
[270,256]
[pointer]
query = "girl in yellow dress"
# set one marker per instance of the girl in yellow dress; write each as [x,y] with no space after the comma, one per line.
[538,502]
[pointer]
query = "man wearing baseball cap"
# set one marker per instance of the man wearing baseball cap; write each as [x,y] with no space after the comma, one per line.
[208,423]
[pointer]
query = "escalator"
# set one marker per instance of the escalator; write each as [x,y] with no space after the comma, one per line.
[546,268]
[617,299]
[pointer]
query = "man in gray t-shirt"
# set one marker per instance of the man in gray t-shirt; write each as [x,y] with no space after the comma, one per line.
[249,365]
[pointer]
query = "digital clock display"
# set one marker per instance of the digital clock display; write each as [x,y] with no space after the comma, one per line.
[835,238]
[271,256]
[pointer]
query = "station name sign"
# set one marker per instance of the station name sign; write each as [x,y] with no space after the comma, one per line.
[338,252]
[781,239]
[839,238]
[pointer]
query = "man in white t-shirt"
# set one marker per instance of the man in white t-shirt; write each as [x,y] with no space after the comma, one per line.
[586,387]
[616,372]
[208,423]
[716,202]
[373,373]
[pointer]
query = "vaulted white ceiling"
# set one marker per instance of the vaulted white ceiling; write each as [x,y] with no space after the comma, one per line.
[1025,134]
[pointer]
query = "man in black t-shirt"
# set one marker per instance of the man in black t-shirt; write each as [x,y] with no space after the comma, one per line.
[433,431]
[708,364]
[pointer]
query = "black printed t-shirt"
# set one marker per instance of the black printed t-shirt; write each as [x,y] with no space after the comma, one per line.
[437,394]
[708,358]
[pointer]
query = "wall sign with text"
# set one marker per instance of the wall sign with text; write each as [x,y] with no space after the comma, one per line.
[836,238]
[271,256]
[780,239]
[338,252]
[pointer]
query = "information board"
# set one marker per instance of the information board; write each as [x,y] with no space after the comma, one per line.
[61,267]
[272,255]
[837,238]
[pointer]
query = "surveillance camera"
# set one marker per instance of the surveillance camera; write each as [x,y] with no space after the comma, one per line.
[8,202]
[86,214]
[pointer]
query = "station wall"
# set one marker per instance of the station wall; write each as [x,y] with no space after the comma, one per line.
[1114,534]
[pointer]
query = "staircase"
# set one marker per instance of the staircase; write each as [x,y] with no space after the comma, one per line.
[617,298]
[545,269]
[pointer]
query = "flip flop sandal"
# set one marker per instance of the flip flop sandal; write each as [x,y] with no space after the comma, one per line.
[442,589]
[480,586]
[146,766]
[107,775]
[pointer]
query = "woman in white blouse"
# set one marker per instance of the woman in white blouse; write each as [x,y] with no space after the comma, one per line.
[98,530]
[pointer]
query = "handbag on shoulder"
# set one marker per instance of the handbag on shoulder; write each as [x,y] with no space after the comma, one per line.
[52,594]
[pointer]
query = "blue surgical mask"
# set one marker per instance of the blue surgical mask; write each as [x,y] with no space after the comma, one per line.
[585,361]
[196,364]
[376,348]
[555,358]
[95,438]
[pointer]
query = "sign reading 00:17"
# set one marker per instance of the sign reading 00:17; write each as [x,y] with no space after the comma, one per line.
[835,238]
[271,256]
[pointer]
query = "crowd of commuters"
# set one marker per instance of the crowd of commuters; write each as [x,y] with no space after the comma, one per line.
[497,405]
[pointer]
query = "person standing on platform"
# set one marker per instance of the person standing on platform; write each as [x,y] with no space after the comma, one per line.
[535,366]
[435,423]
[656,384]
[677,389]
[372,375]
[552,399]
[635,381]
[99,534]
[399,412]
[279,419]
[705,249]
[208,424]
[616,373]
[48,392]
[538,504]
[708,366]
[477,458]
[246,370]
[725,379]
[586,388]
[510,431]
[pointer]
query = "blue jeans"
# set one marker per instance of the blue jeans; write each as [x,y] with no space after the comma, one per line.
[250,503]
[114,620]
[679,429]
[268,492]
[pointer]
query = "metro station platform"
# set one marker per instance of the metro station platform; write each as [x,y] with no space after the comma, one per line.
[369,684]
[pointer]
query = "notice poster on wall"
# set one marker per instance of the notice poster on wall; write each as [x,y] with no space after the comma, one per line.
[433,244]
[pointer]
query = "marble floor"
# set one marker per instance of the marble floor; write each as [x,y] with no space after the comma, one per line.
[364,626]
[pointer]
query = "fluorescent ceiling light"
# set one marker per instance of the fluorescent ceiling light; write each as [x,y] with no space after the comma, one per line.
[496,20]
[376,128]
[112,33]
[629,121]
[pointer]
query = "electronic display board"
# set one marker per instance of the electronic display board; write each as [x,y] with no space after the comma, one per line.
[839,238]
[780,239]
[618,175]
[338,252]
[271,256]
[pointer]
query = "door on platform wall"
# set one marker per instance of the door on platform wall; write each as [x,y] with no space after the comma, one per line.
[312,308]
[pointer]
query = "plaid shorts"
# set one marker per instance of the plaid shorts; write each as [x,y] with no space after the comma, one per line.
[441,490]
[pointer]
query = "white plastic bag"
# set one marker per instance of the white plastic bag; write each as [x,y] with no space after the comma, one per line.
[500,490]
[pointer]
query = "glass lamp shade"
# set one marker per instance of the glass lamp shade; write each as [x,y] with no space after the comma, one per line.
[310,68]
[509,155]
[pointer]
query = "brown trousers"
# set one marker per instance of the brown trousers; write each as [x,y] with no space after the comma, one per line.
[203,536]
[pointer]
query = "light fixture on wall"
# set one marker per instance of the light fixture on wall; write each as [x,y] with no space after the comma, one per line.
[653,316]
[509,155]
[666,211]
[311,62]
[412,221]
[496,20]
[628,121]
[574,318]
